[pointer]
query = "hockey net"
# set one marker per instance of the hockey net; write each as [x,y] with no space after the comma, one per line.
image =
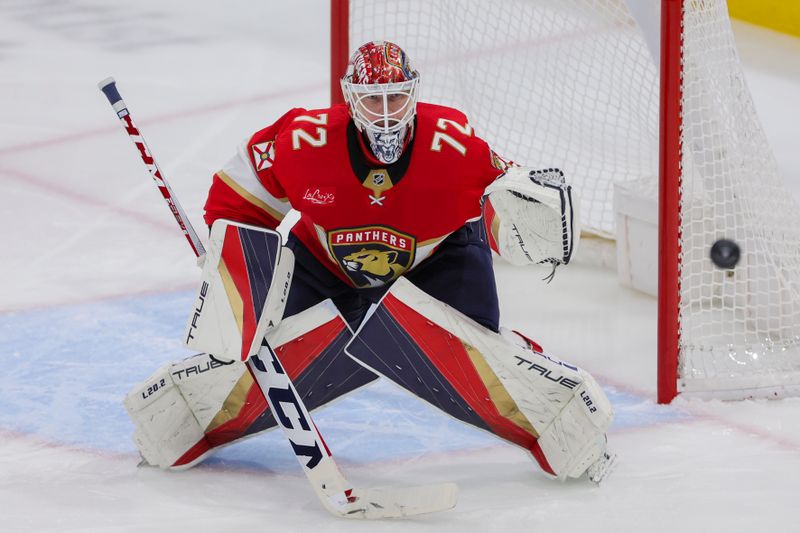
[575,84]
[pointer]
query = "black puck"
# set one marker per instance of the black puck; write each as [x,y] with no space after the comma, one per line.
[725,254]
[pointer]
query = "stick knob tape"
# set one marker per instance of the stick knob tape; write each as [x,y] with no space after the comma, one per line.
[109,88]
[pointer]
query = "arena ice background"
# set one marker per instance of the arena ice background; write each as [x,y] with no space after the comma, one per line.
[96,283]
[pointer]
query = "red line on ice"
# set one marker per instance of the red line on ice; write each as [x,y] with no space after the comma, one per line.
[169,117]
[51,187]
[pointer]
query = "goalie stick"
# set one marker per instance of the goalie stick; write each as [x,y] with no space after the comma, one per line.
[337,495]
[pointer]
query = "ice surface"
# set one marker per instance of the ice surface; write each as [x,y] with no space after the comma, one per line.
[96,282]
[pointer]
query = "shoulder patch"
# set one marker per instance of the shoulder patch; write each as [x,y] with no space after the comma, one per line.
[263,155]
[500,163]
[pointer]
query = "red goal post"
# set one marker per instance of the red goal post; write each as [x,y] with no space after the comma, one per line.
[669,199]
[644,94]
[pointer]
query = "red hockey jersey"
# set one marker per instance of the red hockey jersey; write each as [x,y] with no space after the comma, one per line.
[367,222]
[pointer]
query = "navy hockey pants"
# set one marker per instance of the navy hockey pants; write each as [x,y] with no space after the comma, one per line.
[459,273]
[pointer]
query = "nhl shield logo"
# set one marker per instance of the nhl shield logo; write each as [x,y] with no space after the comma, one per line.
[372,256]
[378,178]
[378,181]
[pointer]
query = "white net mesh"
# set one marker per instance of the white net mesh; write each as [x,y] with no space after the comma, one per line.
[573,84]
[739,329]
[529,77]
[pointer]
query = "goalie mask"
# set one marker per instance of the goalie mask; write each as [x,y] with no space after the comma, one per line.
[380,89]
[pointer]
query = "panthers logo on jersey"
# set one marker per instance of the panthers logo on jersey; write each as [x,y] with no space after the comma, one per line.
[372,256]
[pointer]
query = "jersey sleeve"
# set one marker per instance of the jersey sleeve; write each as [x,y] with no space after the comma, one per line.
[246,189]
[499,163]
[489,164]
[484,164]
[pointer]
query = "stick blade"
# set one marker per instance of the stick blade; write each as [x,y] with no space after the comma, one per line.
[398,502]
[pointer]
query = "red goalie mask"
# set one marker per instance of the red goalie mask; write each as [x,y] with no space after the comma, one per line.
[380,62]
[380,87]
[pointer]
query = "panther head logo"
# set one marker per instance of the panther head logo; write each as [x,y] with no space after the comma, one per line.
[375,264]
[371,256]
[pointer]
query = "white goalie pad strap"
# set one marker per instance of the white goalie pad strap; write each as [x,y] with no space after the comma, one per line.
[172,409]
[533,216]
[245,281]
[563,403]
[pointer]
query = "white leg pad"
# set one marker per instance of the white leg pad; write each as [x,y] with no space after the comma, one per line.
[242,298]
[176,409]
[564,403]
[576,438]
[567,410]
[172,408]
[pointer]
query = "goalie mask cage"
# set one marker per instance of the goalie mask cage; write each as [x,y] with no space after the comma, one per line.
[650,93]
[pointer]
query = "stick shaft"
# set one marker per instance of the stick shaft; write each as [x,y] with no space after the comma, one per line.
[109,88]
